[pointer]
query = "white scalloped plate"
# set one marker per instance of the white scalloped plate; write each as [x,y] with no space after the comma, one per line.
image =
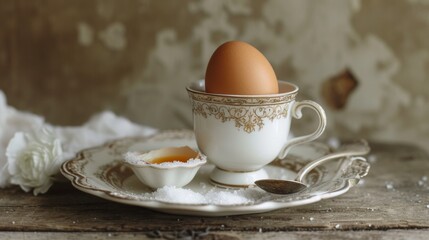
[99,171]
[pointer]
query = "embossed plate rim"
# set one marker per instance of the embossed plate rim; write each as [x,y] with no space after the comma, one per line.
[77,178]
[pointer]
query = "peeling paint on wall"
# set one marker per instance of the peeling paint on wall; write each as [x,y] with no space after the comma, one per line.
[85,34]
[113,36]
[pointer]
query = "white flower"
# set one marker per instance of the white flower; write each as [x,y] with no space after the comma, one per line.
[34,160]
[12,121]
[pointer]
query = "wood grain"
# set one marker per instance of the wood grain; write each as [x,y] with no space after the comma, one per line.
[368,207]
[355,235]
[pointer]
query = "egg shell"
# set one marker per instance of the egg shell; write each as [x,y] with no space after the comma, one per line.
[238,68]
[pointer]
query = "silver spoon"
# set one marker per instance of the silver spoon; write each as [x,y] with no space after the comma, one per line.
[292,186]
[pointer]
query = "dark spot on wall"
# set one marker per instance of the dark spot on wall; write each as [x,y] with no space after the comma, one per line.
[337,90]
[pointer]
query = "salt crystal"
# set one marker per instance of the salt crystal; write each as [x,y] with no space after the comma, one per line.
[370,225]
[303,218]
[427,206]
[132,157]
[338,226]
[372,158]
[389,186]
[13,222]
[420,183]
[312,218]
[109,234]
[334,142]
[222,226]
[424,178]
[74,222]
[260,230]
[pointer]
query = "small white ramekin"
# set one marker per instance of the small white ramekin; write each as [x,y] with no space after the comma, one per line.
[157,175]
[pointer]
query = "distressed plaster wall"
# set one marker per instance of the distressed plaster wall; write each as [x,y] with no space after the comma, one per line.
[68,59]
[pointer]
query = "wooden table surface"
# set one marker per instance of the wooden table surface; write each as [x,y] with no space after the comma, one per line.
[392,202]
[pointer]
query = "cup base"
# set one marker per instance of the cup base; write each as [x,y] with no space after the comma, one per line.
[230,179]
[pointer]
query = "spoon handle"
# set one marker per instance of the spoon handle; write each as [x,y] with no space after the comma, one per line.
[360,148]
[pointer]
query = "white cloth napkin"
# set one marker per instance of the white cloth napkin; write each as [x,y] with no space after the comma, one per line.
[31,150]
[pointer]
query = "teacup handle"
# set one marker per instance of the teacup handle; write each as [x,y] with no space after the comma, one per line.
[297,113]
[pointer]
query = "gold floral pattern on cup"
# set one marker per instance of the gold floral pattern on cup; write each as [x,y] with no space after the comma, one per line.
[245,100]
[248,113]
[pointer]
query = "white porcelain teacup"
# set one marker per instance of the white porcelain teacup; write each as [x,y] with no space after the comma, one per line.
[240,134]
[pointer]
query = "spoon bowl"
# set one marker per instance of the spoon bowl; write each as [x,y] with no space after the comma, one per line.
[278,186]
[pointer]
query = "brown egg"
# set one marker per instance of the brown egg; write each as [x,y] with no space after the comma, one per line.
[239,68]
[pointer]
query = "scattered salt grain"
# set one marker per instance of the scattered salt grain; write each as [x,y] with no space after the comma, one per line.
[203,185]
[372,158]
[427,206]
[338,226]
[260,230]
[334,142]
[109,234]
[13,222]
[423,181]
[312,218]
[389,186]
